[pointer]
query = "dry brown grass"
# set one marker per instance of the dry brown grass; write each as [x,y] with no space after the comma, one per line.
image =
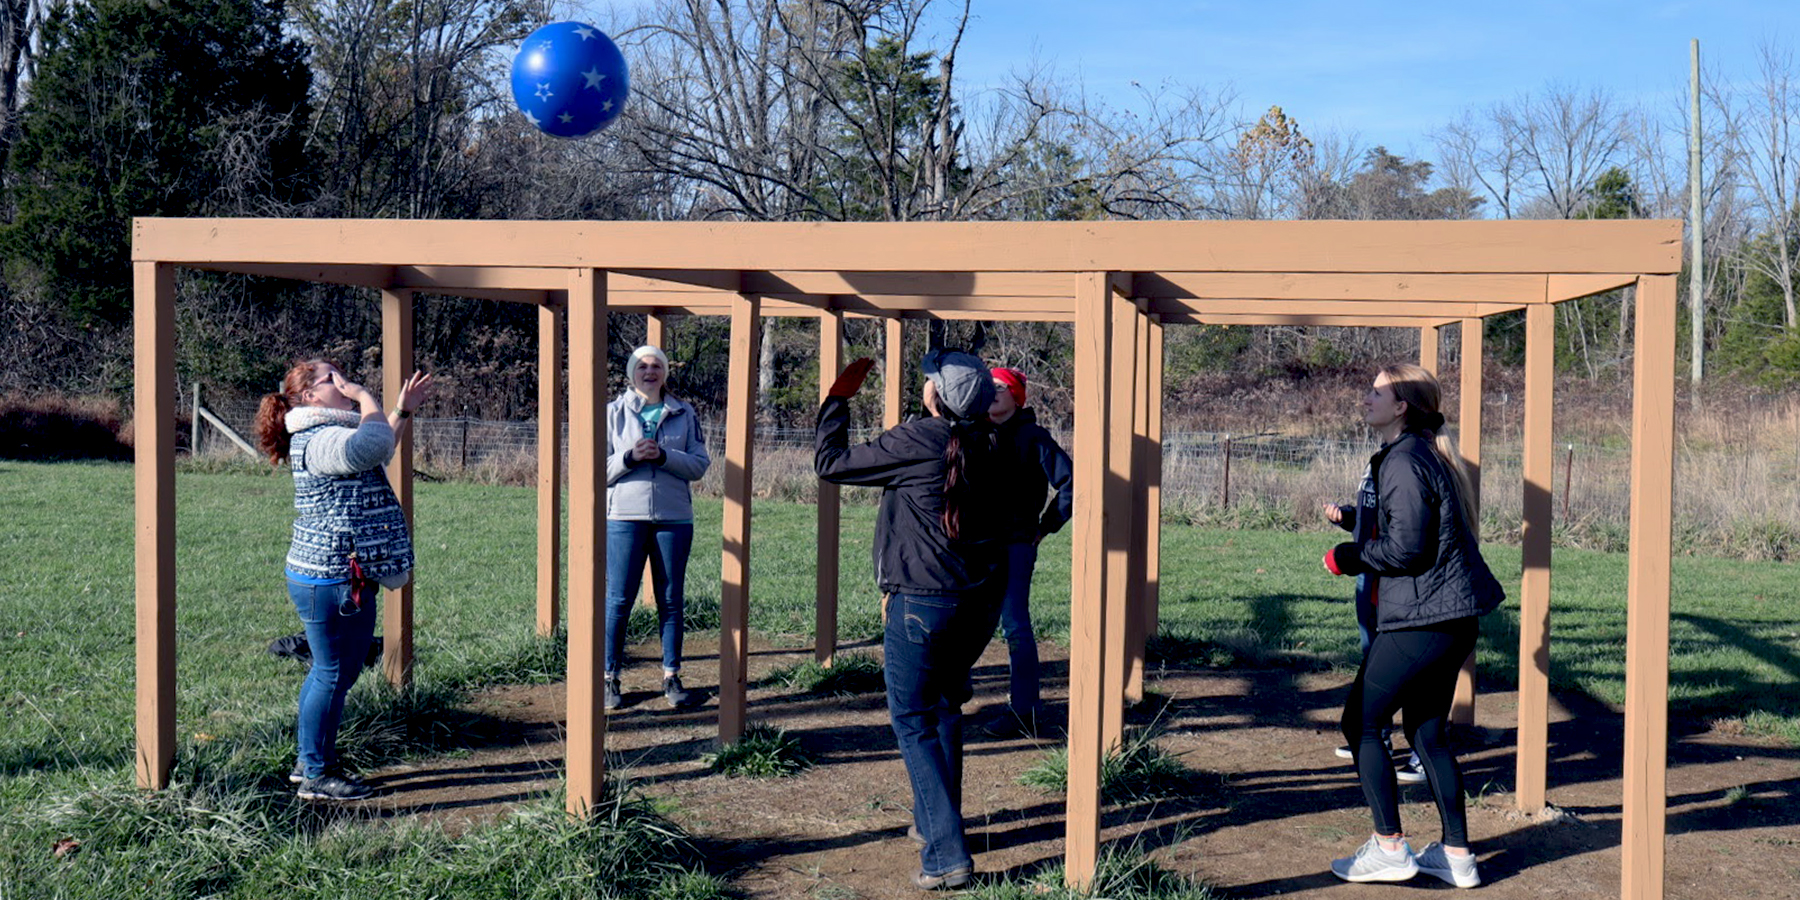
[55,426]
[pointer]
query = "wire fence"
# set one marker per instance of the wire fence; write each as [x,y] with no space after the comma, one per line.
[1733,500]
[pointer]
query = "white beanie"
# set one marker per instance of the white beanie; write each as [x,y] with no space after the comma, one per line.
[640,353]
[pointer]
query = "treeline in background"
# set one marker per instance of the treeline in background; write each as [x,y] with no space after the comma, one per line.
[839,110]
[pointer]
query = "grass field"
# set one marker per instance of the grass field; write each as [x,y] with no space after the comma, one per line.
[66,666]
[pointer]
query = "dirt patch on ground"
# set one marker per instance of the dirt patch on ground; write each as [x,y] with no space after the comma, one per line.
[1271,807]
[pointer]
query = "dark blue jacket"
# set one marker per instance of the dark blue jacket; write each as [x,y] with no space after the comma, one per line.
[1033,464]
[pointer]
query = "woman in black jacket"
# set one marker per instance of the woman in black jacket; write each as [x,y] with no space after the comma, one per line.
[1430,586]
[938,563]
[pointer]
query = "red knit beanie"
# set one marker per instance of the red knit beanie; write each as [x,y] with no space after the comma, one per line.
[1014,381]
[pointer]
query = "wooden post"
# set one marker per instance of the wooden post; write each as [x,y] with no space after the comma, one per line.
[1428,348]
[1137,573]
[1534,593]
[549,474]
[194,424]
[586,747]
[1123,363]
[734,569]
[655,332]
[396,365]
[1647,590]
[153,482]
[1153,469]
[1462,707]
[825,616]
[1087,619]
[893,379]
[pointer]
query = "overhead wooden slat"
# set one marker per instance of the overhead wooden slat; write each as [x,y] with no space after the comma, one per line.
[1364,308]
[1569,287]
[1339,286]
[1650,246]
[1346,321]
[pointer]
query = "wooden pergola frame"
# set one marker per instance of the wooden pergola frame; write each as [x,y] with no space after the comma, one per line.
[1120,283]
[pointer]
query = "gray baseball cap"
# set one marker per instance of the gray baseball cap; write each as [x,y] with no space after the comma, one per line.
[965,387]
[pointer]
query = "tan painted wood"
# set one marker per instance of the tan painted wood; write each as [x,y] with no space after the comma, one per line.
[1516,290]
[354,276]
[504,279]
[1534,592]
[396,366]
[655,333]
[1153,471]
[153,484]
[1462,705]
[825,616]
[1515,246]
[1087,588]
[1647,590]
[1570,287]
[1119,454]
[893,373]
[734,569]
[950,285]
[1429,339]
[1138,509]
[586,747]
[549,467]
[1365,309]
[656,330]
[1277,319]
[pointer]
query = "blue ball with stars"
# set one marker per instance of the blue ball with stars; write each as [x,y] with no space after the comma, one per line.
[570,79]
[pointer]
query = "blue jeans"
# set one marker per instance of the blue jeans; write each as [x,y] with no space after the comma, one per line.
[1015,621]
[628,545]
[338,632]
[929,645]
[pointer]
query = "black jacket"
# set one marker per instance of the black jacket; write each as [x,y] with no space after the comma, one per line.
[913,554]
[1032,464]
[1428,566]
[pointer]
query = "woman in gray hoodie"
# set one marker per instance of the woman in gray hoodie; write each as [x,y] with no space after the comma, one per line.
[658,449]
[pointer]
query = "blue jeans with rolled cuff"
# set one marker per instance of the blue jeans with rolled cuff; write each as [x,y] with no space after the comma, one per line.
[929,645]
[628,544]
[339,627]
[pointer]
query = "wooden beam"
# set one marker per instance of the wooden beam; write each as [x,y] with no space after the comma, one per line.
[655,333]
[586,746]
[734,569]
[396,366]
[1119,433]
[1462,706]
[893,374]
[1137,574]
[1466,247]
[1570,287]
[439,279]
[1364,309]
[825,592]
[1277,319]
[1647,590]
[549,467]
[1087,614]
[1534,592]
[1429,338]
[153,482]
[354,276]
[1502,289]
[1153,471]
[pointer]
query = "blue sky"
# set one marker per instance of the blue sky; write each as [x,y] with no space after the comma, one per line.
[1384,73]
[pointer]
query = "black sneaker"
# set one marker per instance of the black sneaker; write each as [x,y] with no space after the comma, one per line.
[1010,725]
[334,787]
[613,697]
[673,692]
[1411,772]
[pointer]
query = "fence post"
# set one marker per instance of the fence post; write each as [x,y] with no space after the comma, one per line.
[1568,478]
[1225,493]
[194,426]
[462,464]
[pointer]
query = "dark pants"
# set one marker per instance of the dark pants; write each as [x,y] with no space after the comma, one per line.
[1411,671]
[929,645]
[1015,622]
[666,546]
[339,627]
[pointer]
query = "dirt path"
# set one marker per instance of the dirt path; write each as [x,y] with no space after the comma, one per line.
[1271,807]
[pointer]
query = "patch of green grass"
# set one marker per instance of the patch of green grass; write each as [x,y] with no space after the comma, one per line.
[764,751]
[849,674]
[1136,770]
[1121,873]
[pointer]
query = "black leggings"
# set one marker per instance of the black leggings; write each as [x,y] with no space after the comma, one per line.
[1411,671]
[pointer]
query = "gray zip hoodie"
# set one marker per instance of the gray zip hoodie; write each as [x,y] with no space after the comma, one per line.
[654,490]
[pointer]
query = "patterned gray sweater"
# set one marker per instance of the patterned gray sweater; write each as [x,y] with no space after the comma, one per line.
[342,502]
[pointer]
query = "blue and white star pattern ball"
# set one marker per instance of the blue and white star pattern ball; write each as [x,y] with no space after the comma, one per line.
[570,79]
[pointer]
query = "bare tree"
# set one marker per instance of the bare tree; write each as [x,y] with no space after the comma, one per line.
[1759,132]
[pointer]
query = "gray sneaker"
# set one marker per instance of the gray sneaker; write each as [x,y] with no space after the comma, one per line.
[1413,772]
[673,692]
[1371,863]
[613,697]
[1457,870]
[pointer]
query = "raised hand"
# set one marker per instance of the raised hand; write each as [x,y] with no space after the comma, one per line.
[851,379]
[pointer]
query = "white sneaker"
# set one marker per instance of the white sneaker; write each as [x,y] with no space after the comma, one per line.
[1371,863]
[1457,870]
[1411,773]
[1343,752]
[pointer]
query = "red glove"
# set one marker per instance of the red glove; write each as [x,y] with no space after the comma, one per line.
[1344,559]
[851,379]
